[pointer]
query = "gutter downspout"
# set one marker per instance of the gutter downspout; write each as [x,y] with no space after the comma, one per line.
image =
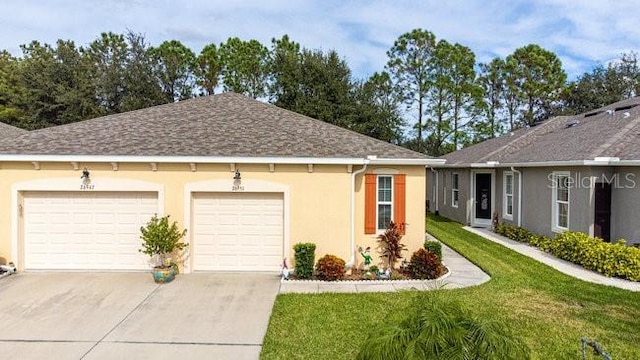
[519,195]
[435,173]
[352,260]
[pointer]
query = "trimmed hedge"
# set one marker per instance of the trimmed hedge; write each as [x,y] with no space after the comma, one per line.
[434,247]
[305,259]
[610,259]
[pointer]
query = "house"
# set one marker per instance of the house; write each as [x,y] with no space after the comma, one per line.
[7,131]
[579,173]
[246,179]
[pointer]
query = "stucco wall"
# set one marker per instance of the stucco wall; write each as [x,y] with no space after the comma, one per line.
[319,201]
[444,196]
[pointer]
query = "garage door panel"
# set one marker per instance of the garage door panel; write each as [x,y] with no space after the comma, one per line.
[85,230]
[230,231]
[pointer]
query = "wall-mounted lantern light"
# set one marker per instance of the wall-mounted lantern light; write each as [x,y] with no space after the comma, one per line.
[86,180]
[237,182]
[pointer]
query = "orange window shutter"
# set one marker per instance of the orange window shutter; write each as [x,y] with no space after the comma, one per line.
[399,201]
[370,203]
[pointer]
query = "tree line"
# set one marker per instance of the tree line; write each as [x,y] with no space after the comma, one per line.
[432,96]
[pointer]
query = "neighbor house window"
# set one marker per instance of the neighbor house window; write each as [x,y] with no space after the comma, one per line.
[560,201]
[385,201]
[454,190]
[508,195]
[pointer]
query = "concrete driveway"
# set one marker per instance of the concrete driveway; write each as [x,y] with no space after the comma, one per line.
[128,316]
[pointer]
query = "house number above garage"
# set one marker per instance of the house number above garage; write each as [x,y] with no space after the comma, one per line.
[237,182]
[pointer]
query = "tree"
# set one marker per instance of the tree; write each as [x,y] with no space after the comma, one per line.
[377,109]
[539,78]
[410,68]
[617,81]
[285,67]
[174,68]
[492,83]
[209,69]
[142,89]
[245,67]
[57,83]
[454,96]
[12,91]
[108,57]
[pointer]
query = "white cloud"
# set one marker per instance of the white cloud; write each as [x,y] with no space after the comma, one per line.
[582,33]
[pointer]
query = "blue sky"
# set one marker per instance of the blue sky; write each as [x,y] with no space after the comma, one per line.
[582,33]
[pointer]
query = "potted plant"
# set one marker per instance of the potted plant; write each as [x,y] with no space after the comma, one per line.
[162,241]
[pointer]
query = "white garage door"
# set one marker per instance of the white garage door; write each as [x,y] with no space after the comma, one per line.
[238,231]
[86,230]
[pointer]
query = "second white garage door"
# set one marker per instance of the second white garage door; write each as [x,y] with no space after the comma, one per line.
[238,231]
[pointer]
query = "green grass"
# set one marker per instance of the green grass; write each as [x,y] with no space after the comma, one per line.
[546,309]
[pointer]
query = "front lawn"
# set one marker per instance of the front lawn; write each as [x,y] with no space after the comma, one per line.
[548,310]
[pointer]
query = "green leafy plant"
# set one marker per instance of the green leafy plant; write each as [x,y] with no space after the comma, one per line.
[305,255]
[434,247]
[390,244]
[330,267]
[374,269]
[440,328]
[161,240]
[425,265]
[610,259]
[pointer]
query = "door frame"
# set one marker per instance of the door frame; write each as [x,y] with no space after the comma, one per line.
[597,184]
[472,197]
[225,186]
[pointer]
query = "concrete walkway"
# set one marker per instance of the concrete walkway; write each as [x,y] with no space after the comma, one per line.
[563,266]
[462,273]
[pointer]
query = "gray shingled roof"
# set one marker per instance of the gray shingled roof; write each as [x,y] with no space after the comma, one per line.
[7,131]
[225,125]
[602,134]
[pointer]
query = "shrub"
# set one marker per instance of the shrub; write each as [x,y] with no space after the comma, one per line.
[161,240]
[390,244]
[330,267]
[425,265]
[374,269]
[610,259]
[305,254]
[434,247]
[438,327]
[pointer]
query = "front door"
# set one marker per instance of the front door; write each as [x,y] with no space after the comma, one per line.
[483,196]
[602,219]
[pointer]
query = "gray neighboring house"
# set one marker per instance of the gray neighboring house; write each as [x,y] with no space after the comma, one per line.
[579,173]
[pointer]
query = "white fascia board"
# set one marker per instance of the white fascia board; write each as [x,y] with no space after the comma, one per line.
[180,159]
[214,160]
[424,162]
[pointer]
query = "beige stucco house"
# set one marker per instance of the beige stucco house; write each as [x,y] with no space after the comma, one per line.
[246,179]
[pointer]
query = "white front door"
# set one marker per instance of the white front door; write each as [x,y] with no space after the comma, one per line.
[237,231]
[85,230]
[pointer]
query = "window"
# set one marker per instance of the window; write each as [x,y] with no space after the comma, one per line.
[385,201]
[454,189]
[508,196]
[560,201]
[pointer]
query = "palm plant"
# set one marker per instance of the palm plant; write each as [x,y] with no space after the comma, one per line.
[440,328]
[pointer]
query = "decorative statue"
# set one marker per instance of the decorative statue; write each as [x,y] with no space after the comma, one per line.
[285,269]
[366,255]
